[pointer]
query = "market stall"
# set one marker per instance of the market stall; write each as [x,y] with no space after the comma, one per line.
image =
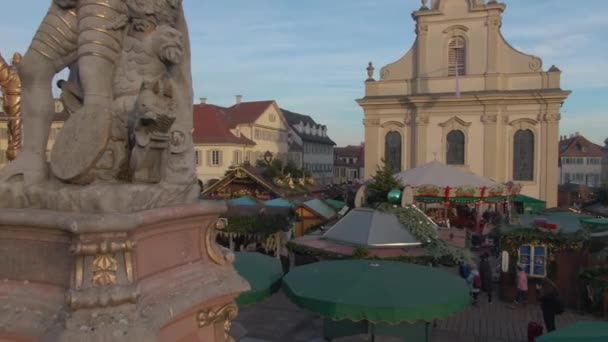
[263,273]
[376,297]
[454,187]
[581,331]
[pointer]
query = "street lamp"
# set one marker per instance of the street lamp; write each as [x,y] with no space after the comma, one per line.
[268,157]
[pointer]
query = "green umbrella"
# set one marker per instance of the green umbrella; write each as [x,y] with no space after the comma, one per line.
[376,291]
[581,331]
[263,273]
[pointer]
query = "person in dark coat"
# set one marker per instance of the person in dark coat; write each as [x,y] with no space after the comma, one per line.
[485,272]
[549,302]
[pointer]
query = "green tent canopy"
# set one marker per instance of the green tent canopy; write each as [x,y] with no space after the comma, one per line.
[376,291]
[581,331]
[263,273]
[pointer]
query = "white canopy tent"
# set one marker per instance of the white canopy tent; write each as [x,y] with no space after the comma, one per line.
[441,175]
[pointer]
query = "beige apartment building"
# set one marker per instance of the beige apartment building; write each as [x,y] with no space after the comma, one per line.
[56,126]
[246,131]
[464,96]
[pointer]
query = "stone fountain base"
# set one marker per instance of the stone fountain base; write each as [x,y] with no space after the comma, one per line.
[154,275]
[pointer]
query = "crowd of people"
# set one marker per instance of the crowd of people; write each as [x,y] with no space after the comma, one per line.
[480,280]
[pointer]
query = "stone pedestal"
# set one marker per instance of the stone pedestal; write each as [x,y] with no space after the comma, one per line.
[153,275]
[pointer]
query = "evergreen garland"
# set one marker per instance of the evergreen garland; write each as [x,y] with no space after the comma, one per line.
[260,224]
[425,230]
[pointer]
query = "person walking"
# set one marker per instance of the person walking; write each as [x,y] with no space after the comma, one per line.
[550,303]
[522,286]
[485,272]
[474,281]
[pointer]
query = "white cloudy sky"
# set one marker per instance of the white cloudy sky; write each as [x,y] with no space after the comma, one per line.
[311,55]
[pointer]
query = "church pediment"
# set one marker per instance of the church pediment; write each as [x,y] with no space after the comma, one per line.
[455,121]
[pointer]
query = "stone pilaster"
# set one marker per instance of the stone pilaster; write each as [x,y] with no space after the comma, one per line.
[373,148]
[422,30]
[419,140]
[490,144]
[493,23]
[549,152]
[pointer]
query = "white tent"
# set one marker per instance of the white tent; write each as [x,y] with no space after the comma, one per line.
[441,175]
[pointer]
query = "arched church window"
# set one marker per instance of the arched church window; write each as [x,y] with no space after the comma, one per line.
[457,56]
[523,155]
[455,148]
[392,151]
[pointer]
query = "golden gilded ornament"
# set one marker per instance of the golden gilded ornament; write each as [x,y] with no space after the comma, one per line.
[223,315]
[104,270]
[10,84]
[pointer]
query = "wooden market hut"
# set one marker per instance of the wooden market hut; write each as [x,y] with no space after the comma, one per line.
[313,213]
[553,245]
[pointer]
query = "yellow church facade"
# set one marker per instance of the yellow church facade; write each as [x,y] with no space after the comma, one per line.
[464,96]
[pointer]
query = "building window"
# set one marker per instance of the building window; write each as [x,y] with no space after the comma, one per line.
[457,57]
[3,156]
[249,156]
[197,157]
[273,118]
[534,260]
[455,148]
[392,151]
[215,158]
[237,158]
[523,155]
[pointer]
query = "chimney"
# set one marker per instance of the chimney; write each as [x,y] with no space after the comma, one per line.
[203,100]
[239,99]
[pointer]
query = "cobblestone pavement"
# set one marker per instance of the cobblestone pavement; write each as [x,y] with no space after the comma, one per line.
[278,320]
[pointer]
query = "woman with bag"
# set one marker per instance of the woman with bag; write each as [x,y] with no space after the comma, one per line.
[550,303]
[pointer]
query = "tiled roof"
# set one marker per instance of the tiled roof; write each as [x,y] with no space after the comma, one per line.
[211,126]
[350,151]
[579,146]
[246,112]
[294,119]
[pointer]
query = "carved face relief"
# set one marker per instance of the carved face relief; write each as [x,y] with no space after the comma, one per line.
[177,138]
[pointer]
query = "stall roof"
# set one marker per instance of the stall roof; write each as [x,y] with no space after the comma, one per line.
[568,222]
[335,204]
[278,202]
[441,175]
[320,208]
[245,200]
[370,228]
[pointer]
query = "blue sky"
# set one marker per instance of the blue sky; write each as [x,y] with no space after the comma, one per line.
[311,55]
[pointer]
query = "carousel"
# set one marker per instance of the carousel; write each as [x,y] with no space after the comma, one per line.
[456,197]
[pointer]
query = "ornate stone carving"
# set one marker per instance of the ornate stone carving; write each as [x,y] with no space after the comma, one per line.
[130,93]
[217,253]
[371,122]
[370,72]
[104,270]
[455,121]
[422,29]
[385,73]
[422,120]
[494,22]
[550,117]
[535,64]
[222,317]
[10,84]
[489,119]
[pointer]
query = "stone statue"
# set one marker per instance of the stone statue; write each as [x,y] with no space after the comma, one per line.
[129,96]
[10,83]
[370,72]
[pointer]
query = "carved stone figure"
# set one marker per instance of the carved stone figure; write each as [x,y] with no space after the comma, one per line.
[10,84]
[129,96]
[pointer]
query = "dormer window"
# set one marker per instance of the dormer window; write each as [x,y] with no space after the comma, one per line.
[457,56]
